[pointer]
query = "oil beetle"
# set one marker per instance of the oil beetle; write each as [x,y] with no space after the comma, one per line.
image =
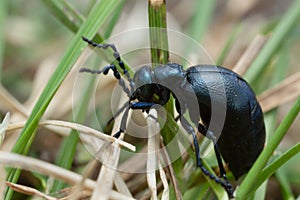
[197,91]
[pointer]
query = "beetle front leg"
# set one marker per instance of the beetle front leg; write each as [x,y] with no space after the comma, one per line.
[127,106]
[141,105]
[123,123]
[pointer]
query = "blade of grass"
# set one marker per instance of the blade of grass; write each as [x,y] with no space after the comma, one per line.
[69,16]
[202,15]
[68,148]
[89,6]
[65,13]
[48,169]
[3,127]
[228,44]
[252,177]
[73,20]
[278,37]
[203,11]
[282,178]
[285,91]
[249,54]
[152,159]
[160,55]
[275,165]
[96,18]
[116,15]
[271,117]
[158,32]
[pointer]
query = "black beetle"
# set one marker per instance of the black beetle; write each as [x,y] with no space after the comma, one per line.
[197,91]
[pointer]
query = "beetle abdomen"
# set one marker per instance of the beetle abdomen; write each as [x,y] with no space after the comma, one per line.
[235,108]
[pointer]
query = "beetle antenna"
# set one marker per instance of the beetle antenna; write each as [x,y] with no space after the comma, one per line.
[123,121]
[116,75]
[116,56]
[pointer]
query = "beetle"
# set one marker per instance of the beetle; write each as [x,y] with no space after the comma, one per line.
[197,92]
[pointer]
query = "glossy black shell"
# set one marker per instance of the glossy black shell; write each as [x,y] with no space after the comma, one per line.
[243,134]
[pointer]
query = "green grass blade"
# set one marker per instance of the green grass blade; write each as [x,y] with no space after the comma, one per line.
[96,17]
[246,187]
[286,190]
[275,165]
[203,12]
[158,33]
[202,15]
[68,148]
[69,145]
[278,37]
[115,17]
[270,117]
[160,55]
[58,7]
[65,14]
[228,45]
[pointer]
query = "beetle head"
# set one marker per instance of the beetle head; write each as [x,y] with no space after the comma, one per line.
[147,89]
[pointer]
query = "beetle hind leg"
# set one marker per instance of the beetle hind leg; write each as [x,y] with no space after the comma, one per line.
[223,182]
[210,135]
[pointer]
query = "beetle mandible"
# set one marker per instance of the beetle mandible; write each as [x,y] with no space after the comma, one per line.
[243,134]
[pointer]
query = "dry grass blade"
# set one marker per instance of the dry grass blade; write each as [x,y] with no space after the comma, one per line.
[3,127]
[32,164]
[105,179]
[153,129]
[29,191]
[65,130]
[121,185]
[111,156]
[135,163]
[172,174]
[11,103]
[119,182]
[285,91]
[249,55]
[67,193]
[88,130]
[163,177]
[76,190]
